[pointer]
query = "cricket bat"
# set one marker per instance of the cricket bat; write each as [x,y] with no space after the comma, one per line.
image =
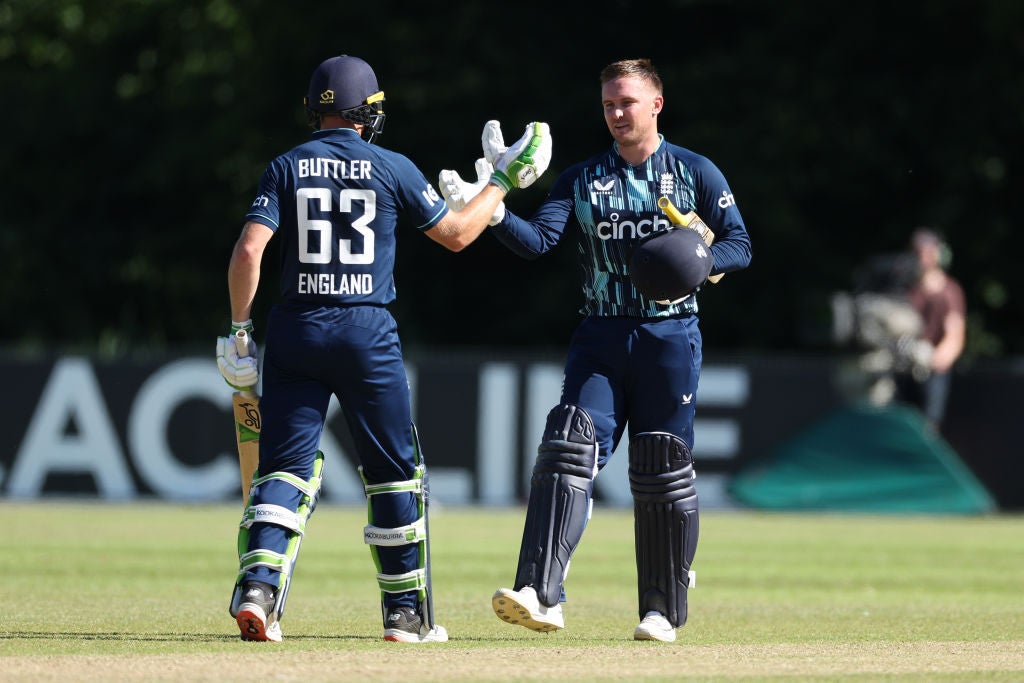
[692,221]
[247,424]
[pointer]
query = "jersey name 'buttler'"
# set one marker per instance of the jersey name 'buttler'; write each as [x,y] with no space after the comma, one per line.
[341,194]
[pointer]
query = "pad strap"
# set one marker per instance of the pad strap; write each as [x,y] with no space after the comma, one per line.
[411,486]
[414,533]
[265,558]
[400,583]
[310,488]
[403,535]
[266,513]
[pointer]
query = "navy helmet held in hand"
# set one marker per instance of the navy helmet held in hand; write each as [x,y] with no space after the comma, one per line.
[670,264]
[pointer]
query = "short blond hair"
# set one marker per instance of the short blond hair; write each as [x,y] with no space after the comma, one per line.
[636,68]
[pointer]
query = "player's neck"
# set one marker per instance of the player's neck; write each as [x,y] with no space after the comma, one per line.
[333,121]
[636,154]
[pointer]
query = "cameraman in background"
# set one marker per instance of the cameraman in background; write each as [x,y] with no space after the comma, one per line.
[939,300]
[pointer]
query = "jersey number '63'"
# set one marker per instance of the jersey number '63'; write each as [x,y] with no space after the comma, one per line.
[360,224]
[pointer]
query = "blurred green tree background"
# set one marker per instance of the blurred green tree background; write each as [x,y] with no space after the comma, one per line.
[135,132]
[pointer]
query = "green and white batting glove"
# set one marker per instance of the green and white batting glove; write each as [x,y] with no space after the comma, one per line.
[457,192]
[521,164]
[237,358]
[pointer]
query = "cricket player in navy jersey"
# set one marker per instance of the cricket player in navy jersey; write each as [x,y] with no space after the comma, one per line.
[634,360]
[335,202]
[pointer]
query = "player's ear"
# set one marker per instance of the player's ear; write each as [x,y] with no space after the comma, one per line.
[657,104]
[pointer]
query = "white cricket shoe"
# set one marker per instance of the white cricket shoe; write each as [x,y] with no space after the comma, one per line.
[655,627]
[522,607]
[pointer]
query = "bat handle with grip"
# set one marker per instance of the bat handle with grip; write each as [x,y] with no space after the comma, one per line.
[242,344]
[676,217]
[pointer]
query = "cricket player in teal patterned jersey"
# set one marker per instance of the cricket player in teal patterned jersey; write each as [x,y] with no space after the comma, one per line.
[335,201]
[633,362]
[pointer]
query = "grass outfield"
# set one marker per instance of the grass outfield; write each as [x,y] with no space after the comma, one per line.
[139,592]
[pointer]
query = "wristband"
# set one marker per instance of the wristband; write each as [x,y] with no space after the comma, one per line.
[245,325]
[501,180]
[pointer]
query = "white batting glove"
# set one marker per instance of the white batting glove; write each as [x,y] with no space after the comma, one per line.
[521,164]
[238,366]
[457,192]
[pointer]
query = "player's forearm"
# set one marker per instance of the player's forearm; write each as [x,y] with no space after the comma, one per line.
[244,268]
[474,217]
[242,285]
[531,238]
[732,252]
[519,237]
[460,228]
[243,281]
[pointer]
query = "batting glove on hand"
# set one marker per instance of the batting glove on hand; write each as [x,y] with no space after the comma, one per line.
[457,192]
[237,358]
[521,164]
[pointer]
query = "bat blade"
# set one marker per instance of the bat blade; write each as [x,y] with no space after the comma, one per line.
[248,420]
[247,436]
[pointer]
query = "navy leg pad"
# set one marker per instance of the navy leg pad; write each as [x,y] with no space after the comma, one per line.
[661,479]
[560,495]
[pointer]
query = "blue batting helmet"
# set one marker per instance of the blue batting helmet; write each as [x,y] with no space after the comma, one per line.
[670,264]
[346,86]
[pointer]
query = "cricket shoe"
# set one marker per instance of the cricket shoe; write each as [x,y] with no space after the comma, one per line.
[257,602]
[655,626]
[404,625]
[522,607]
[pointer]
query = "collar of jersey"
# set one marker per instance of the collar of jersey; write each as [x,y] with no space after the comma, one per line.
[328,131]
[661,141]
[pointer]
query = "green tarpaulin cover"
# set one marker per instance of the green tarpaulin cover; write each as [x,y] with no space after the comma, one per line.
[864,458]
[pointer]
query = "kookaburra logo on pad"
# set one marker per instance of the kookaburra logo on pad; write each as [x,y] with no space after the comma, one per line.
[327,97]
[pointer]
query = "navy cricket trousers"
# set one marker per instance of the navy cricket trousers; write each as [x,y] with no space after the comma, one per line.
[635,371]
[354,353]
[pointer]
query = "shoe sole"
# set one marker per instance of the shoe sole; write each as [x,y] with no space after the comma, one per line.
[435,635]
[512,611]
[252,624]
[644,634]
